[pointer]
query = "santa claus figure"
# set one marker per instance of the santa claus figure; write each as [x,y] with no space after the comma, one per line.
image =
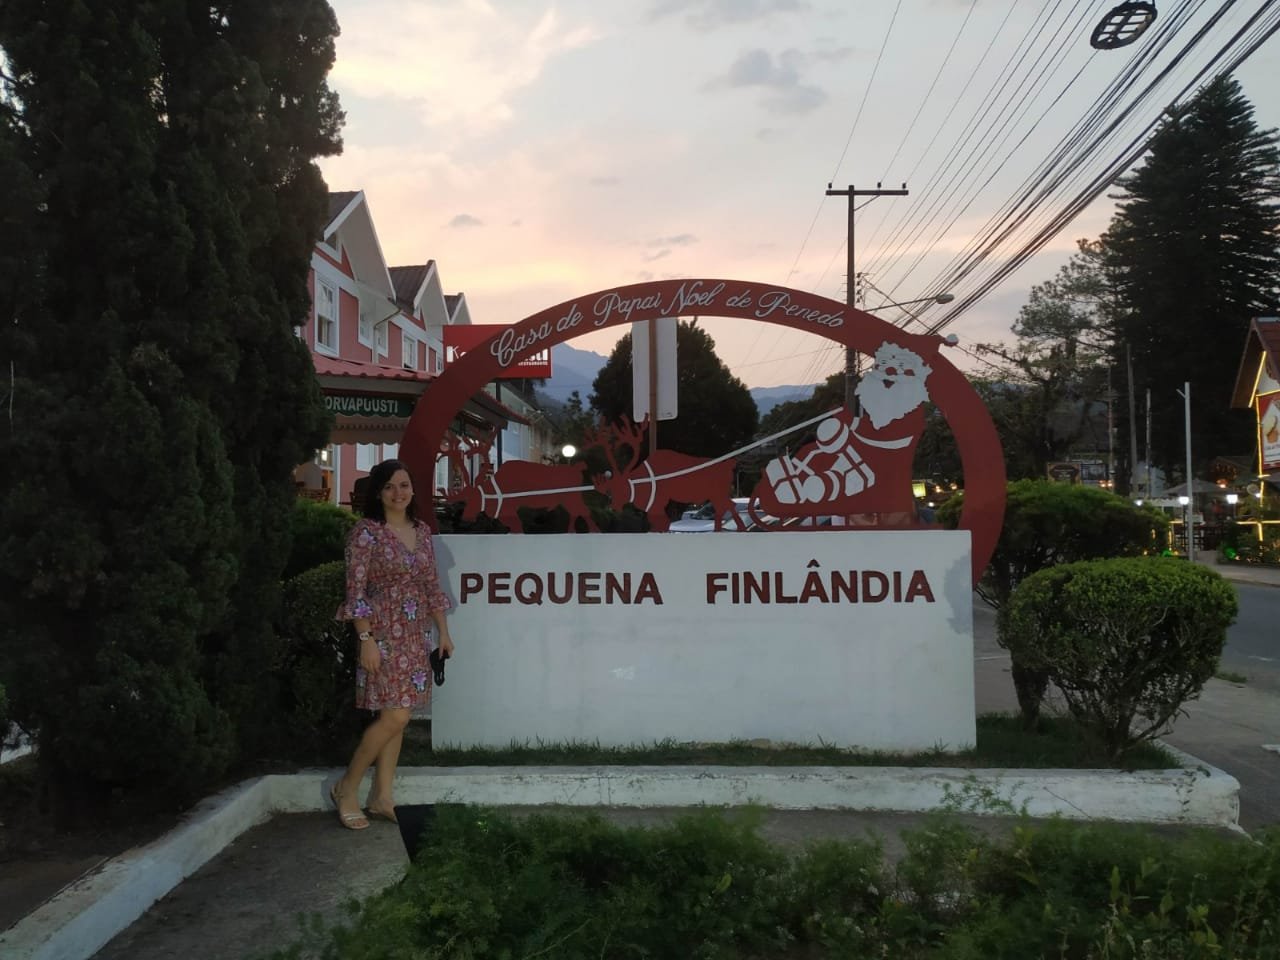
[863,464]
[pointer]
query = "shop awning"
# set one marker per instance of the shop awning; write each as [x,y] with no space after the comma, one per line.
[372,403]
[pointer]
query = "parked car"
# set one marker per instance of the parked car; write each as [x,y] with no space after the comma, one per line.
[703,519]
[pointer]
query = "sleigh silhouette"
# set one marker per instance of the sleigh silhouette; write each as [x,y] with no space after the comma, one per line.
[883,465]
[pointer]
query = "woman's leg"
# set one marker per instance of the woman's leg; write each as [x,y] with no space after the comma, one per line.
[387,728]
[384,774]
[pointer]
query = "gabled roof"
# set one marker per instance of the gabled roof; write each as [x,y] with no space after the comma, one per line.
[359,239]
[338,201]
[451,301]
[1261,348]
[409,281]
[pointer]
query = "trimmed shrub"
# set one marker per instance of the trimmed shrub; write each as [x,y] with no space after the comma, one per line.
[1129,638]
[1051,523]
[319,532]
[316,667]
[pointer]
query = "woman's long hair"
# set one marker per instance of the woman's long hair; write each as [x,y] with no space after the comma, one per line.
[379,477]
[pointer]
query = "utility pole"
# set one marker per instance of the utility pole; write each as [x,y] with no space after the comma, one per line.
[1133,425]
[1189,523]
[850,354]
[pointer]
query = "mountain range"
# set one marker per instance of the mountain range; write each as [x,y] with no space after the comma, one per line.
[574,369]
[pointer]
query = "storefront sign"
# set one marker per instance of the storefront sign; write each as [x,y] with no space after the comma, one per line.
[360,406]
[1067,472]
[504,343]
[863,639]
[1269,429]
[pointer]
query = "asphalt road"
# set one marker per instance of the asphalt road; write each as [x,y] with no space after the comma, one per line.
[1253,642]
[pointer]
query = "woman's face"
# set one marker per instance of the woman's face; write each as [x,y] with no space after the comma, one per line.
[397,492]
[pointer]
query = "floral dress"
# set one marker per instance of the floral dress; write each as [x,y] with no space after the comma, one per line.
[396,589]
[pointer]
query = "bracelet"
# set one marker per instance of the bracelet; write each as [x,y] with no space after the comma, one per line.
[365,635]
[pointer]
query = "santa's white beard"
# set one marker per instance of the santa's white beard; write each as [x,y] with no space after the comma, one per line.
[884,404]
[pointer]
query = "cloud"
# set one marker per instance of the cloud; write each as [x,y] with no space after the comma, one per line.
[459,66]
[679,240]
[659,255]
[710,14]
[779,77]
[465,220]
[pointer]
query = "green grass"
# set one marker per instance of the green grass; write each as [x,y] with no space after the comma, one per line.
[1058,742]
[1231,676]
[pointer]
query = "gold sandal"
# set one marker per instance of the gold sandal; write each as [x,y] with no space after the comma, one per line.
[352,821]
[381,813]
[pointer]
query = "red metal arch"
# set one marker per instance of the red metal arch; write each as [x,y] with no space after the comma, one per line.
[964,411]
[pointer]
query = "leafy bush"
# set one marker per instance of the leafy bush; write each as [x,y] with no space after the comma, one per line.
[1125,638]
[569,887]
[1051,523]
[316,667]
[319,532]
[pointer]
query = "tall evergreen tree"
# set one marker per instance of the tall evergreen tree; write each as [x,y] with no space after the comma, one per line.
[716,411]
[164,153]
[1046,390]
[1194,253]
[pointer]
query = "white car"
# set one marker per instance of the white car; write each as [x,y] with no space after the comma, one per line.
[703,518]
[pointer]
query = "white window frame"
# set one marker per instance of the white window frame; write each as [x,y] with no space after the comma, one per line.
[364,332]
[409,350]
[366,456]
[324,286]
[382,340]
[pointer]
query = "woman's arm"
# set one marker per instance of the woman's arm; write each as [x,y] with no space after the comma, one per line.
[359,554]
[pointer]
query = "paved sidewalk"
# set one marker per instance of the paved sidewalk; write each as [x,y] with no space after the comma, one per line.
[1262,575]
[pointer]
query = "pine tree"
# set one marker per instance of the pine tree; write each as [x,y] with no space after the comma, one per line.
[716,411]
[160,397]
[1194,254]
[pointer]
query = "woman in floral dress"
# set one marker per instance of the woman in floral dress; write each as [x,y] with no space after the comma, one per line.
[394,597]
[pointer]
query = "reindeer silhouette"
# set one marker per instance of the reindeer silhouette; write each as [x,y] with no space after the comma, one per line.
[663,476]
[519,483]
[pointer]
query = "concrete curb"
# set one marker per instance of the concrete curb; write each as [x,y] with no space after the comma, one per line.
[81,919]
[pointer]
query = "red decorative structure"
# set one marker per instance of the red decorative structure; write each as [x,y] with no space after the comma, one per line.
[663,476]
[519,483]
[860,465]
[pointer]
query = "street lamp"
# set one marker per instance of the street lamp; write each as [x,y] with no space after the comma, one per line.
[568,451]
[940,298]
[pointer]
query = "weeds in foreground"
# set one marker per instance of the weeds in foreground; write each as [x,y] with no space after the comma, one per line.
[708,886]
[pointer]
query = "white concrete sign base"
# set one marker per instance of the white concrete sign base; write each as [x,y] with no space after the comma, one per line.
[858,639]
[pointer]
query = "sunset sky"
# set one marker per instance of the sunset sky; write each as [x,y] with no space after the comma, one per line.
[541,151]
